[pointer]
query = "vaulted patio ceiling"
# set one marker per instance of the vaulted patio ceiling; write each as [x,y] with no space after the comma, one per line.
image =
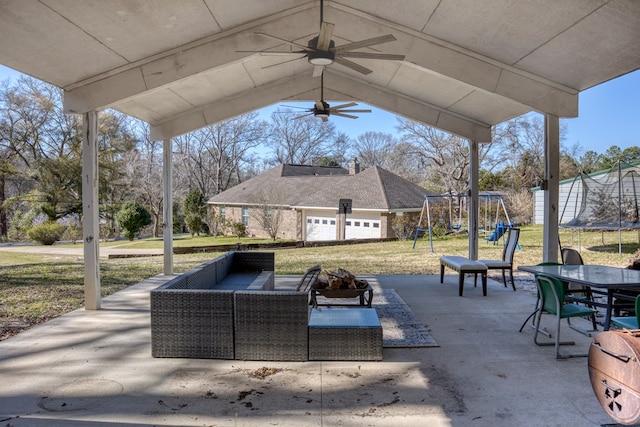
[177,65]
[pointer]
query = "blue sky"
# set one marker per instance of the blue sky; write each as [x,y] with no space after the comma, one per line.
[608,115]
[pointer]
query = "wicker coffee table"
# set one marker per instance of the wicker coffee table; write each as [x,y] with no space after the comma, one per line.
[345,334]
[365,295]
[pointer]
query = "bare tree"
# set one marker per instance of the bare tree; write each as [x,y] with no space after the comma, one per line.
[374,149]
[405,161]
[40,145]
[269,210]
[43,147]
[445,155]
[521,141]
[299,140]
[145,173]
[213,158]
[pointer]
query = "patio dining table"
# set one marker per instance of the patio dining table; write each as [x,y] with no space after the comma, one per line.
[605,278]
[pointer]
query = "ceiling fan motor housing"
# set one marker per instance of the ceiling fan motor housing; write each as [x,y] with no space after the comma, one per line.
[321,112]
[320,57]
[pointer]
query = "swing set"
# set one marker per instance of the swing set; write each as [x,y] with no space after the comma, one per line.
[491,201]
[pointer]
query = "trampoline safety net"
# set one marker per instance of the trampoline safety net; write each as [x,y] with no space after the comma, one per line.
[604,201]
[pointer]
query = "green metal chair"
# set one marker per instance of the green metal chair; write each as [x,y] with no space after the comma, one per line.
[537,306]
[579,293]
[629,322]
[552,301]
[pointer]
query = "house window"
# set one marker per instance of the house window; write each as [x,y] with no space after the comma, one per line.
[366,224]
[324,222]
[308,220]
[376,225]
[333,222]
[316,221]
[349,223]
[223,211]
[245,216]
[357,224]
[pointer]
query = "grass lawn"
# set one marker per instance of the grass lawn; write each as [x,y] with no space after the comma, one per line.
[37,287]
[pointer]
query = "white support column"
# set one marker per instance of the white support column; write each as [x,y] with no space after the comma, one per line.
[90,214]
[551,187]
[473,199]
[167,205]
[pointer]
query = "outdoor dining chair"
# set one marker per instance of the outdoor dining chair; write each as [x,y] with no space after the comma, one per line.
[506,263]
[537,306]
[576,292]
[552,301]
[629,322]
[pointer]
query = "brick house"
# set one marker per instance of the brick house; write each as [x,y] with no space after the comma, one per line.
[305,200]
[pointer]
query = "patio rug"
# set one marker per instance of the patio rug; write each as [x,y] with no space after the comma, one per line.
[400,328]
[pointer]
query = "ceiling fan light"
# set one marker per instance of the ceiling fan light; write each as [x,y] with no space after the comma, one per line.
[321,57]
[322,115]
[321,61]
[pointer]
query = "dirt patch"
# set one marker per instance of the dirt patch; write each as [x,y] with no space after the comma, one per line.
[263,372]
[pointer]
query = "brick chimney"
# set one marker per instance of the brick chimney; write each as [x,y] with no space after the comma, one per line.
[354,166]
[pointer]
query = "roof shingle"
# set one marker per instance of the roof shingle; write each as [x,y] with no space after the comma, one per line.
[321,187]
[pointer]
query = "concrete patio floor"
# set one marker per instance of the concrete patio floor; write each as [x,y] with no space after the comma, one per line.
[94,368]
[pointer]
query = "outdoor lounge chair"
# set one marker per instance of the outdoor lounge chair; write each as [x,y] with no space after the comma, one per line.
[506,263]
[552,301]
[629,322]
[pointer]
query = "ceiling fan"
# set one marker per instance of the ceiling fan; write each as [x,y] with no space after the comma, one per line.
[322,51]
[323,110]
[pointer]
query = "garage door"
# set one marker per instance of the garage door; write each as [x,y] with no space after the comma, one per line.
[321,228]
[362,229]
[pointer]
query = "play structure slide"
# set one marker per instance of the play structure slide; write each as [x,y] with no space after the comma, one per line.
[498,232]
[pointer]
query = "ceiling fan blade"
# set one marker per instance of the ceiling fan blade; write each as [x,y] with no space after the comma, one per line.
[317,70]
[351,111]
[303,47]
[324,38]
[365,43]
[350,104]
[303,115]
[274,52]
[367,55]
[339,114]
[350,64]
[294,106]
[280,63]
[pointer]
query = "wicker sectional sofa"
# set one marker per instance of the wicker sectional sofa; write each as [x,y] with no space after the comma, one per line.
[227,308]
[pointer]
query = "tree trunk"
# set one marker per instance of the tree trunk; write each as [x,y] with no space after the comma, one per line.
[3,213]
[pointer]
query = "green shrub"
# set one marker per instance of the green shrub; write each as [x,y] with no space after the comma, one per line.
[46,233]
[438,231]
[194,223]
[239,229]
[404,226]
[194,208]
[132,218]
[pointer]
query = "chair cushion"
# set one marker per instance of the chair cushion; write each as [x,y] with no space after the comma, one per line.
[625,322]
[495,263]
[574,310]
[461,264]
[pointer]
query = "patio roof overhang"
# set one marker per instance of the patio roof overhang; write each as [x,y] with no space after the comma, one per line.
[180,66]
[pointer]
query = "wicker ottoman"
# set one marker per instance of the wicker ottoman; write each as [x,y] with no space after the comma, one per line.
[345,334]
